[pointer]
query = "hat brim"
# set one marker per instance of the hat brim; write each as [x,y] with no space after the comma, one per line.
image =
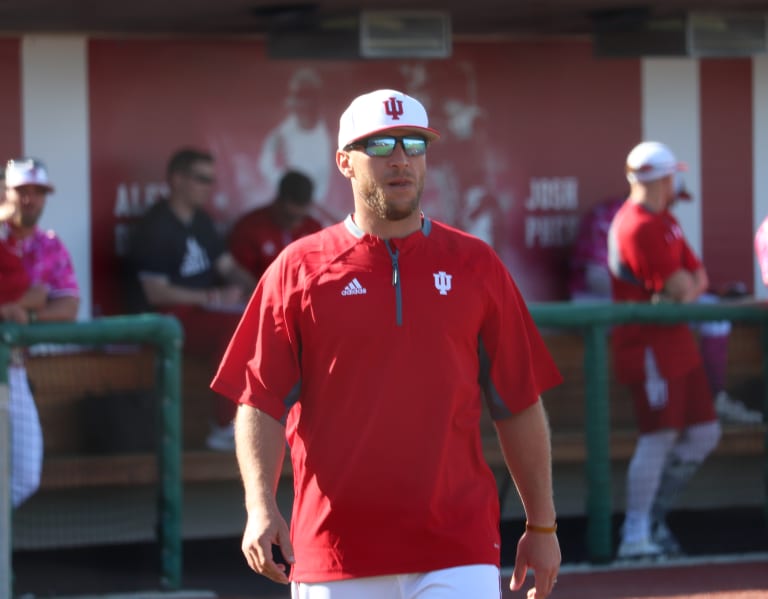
[428,132]
[648,175]
[47,186]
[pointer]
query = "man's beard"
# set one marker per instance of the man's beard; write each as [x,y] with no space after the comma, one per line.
[376,201]
[28,220]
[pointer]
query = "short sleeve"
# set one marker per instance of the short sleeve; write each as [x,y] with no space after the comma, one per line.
[260,367]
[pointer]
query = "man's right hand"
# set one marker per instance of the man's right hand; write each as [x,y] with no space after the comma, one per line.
[263,530]
[13,312]
[231,295]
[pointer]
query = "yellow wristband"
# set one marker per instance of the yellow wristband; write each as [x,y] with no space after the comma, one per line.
[543,529]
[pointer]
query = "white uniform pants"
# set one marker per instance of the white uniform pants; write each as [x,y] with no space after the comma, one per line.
[481,581]
[26,437]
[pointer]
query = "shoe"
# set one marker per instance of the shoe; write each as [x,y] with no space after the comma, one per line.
[642,549]
[664,538]
[221,437]
[732,410]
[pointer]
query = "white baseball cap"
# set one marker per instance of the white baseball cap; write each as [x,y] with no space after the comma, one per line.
[379,111]
[26,171]
[651,160]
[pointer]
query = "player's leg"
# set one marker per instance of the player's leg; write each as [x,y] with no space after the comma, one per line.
[713,343]
[643,478]
[26,438]
[696,441]
[660,417]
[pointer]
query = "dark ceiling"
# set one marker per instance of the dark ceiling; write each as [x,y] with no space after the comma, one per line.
[478,17]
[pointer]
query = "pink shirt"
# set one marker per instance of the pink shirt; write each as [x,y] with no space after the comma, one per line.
[47,262]
[761,250]
[591,244]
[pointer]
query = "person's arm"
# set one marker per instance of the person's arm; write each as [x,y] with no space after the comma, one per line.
[234,273]
[684,286]
[19,311]
[58,309]
[159,291]
[260,450]
[25,308]
[525,442]
[34,297]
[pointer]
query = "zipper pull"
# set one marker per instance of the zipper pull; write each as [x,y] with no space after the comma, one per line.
[393,255]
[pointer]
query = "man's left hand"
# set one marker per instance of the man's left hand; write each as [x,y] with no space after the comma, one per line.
[541,553]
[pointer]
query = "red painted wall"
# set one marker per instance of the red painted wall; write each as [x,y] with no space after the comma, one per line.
[726,155]
[533,135]
[10,99]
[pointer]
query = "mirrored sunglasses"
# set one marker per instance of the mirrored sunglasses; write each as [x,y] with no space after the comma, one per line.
[384,145]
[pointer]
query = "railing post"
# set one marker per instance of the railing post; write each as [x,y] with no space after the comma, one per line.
[597,420]
[764,339]
[165,333]
[170,491]
[6,538]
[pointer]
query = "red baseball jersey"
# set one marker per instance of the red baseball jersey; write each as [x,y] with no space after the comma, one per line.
[255,240]
[14,280]
[644,249]
[382,352]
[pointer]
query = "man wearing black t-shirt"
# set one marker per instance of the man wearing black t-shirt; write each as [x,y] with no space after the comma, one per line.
[184,269]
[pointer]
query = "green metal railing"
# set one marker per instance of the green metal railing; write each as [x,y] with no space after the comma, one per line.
[595,320]
[164,333]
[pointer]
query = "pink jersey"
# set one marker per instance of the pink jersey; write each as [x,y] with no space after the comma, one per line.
[381,353]
[47,262]
[761,250]
[591,244]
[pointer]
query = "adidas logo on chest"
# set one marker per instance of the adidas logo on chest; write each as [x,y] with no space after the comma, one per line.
[354,288]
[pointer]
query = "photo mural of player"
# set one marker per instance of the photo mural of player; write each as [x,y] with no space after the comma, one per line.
[529,140]
[10,100]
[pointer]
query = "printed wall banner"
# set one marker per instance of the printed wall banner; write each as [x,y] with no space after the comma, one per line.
[10,99]
[530,138]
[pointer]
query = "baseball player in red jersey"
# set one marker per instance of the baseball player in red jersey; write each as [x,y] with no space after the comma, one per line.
[651,261]
[376,341]
[261,234]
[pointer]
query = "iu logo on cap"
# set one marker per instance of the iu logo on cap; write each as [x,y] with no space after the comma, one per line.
[394,108]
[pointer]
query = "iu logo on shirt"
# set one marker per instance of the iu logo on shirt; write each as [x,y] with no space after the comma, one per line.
[443,282]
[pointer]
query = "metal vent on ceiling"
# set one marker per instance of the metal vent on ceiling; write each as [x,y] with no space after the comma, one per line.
[405,34]
[726,35]
[698,35]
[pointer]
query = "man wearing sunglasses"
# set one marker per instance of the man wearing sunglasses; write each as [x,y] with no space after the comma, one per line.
[377,339]
[184,269]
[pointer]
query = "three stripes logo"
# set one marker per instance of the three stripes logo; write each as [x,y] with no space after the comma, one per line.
[354,288]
